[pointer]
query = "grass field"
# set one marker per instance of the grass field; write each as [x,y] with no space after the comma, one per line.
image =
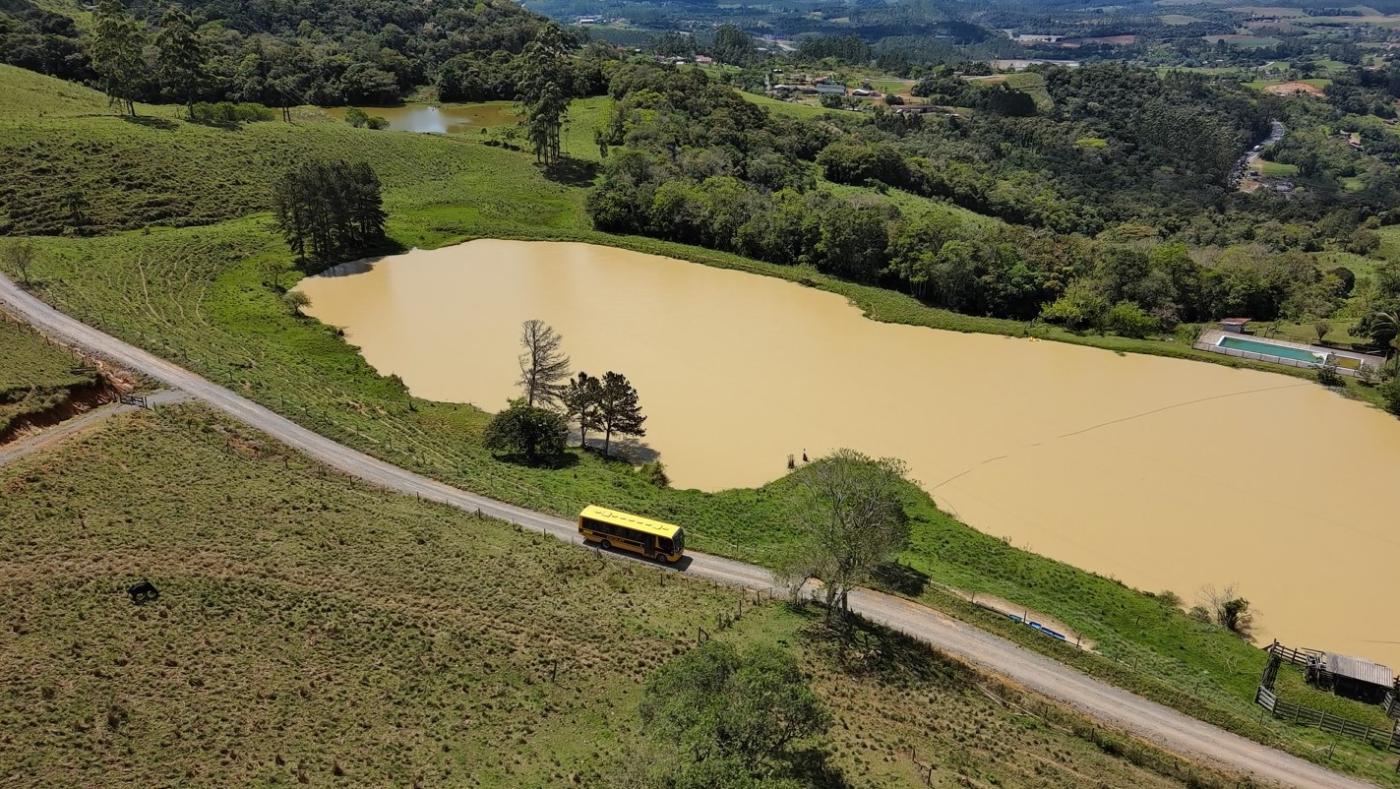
[1027,81]
[35,376]
[1390,241]
[195,295]
[313,630]
[1276,169]
[796,109]
[914,205]
[1293,86]
[156,170]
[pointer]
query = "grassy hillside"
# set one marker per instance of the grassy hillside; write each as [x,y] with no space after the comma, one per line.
[198,296]
[310,629]
[158,170]
[34,375]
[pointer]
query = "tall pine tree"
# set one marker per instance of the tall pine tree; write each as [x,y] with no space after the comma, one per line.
[618,409]
[115,49]
[545,77]
[180,63]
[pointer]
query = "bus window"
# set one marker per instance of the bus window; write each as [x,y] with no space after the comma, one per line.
[665,545]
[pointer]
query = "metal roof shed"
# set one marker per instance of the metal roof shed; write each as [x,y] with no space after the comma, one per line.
[1358,669]
[1355,677]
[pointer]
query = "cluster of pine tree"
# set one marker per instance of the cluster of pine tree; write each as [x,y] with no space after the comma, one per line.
[329,211]
[535,428]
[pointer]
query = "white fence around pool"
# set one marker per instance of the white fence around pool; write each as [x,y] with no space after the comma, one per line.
[1264,357]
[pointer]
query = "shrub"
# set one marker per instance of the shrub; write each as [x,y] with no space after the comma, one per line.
[1081,307]
[655,472]
[1368,375]
[225,112]
[1129,320]
[296,301]
[1363,241]
[1327,374]
[1346,280]
[531,434]
[749,711]
[1391,392]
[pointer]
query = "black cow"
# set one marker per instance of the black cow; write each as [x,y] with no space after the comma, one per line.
[143,592]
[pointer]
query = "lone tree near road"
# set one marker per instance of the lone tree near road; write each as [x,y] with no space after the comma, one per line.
[19,255]
[523,431]
[619,411]
[852,519]
[734,716]
[543,365]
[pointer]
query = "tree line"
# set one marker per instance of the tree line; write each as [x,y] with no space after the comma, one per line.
[535,427]
[542,74]
[693,162]
[329,211]
[328,53]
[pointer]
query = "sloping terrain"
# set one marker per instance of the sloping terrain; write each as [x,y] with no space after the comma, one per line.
[311,629]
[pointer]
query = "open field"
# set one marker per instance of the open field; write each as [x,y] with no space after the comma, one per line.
[795,109]
[1305,87]
[1270,169]
[197,296]
[156,170]
[310,629]
[1242,40]
[1390,241]
[915,205]
[36,376]
[1026,81]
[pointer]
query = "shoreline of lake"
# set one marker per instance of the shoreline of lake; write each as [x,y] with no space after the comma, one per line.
[1077,462]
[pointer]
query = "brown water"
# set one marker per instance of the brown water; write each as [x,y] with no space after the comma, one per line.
[1166,474]
[439,119]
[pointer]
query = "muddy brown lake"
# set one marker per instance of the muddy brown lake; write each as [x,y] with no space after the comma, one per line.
[1163,473]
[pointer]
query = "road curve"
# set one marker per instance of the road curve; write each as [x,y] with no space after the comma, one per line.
[1106,703]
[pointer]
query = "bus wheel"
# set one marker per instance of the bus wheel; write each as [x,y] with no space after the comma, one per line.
[604,545]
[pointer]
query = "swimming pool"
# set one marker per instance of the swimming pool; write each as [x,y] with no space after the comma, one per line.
[1271,349]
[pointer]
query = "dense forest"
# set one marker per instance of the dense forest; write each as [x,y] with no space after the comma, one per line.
[1096,237]
[1107,204]
[324,52]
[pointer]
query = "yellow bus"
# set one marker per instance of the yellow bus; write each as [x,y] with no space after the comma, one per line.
[663,542]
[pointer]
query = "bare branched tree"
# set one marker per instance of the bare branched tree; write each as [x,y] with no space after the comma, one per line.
[853,520]
[543,365]
[1228,609]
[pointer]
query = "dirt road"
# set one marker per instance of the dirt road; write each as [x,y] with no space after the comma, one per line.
[1111,705]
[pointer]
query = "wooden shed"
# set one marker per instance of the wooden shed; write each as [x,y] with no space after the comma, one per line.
[1353,677]
[1234,325]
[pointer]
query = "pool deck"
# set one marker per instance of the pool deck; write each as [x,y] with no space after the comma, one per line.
[1209,340]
